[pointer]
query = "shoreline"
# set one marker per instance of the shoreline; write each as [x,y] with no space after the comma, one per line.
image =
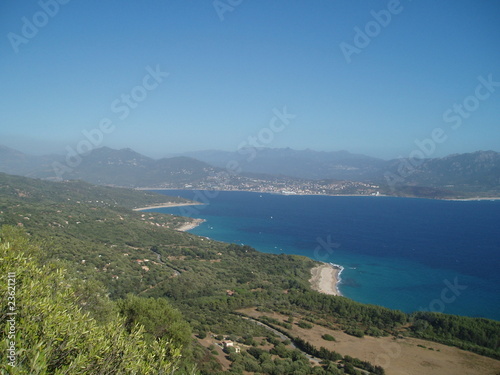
[190,225]
[167,205]
[183,227]
[474,199]
[325,278]
[332,195]
[268,192]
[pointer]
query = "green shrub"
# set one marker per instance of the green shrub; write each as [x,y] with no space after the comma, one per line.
[355,332]
[328,337]
[304,324]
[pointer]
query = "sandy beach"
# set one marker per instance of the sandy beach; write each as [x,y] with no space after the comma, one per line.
[168,204]
[475,199]
[325,279]
[183,227]
[190,225]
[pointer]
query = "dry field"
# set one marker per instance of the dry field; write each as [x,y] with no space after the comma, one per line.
[396,356]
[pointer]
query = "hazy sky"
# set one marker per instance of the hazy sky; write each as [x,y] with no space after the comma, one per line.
[169,76]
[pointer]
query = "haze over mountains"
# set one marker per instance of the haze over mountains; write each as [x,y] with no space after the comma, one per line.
[473,173]
[308,164]
[105,166]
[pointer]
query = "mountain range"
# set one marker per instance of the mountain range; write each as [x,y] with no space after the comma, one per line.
[105,166]
[306,164]
[471,174]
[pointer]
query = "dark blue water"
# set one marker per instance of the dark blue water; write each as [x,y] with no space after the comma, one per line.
[408,254]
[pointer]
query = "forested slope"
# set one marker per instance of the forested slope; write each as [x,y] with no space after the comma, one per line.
[149,269]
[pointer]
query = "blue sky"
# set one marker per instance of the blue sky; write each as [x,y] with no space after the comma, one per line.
[64,68]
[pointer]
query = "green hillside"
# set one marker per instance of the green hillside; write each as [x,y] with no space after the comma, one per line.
[125,268]
[47,330]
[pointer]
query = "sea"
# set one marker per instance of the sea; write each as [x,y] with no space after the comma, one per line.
[403,253]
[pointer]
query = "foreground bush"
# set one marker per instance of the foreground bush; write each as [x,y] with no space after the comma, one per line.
[50,334]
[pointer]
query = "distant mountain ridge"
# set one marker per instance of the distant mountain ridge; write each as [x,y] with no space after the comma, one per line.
[18,163]
[477,171]
[126,167]
[471,173]
[106,166]
[306,164]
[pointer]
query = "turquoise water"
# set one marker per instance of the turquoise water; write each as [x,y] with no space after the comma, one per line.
[407,254]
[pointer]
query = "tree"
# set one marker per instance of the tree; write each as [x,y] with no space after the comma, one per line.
[160,320]
[53,335]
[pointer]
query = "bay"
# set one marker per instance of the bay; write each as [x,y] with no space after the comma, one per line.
[402,253]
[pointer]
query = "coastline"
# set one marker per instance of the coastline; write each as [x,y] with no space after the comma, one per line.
[165,205]
[183,227]
[325,278]
[333,288]
[329,195]
[474,199]
[190,225]
[266,192]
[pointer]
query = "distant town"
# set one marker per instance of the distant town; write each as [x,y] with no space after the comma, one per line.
[278,185]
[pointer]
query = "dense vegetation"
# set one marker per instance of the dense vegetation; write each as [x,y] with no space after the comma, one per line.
[165,286]
[38,192]
[50,333]
[347,311]
[478,335]
[474,334]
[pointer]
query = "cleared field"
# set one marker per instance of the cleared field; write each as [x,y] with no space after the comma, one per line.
[397,356]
